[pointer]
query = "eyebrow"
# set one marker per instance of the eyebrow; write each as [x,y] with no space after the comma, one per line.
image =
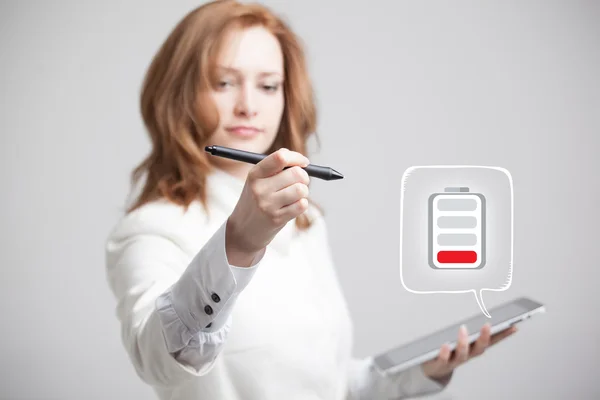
[263,73]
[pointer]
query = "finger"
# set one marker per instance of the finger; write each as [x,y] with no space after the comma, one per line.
[290,195]
[502,335]
[461,353]
[293,210]
[441,362]
[445,354]
[284,179]
[276,162]
[482,342]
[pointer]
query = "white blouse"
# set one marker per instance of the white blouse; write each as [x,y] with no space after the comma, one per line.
[195,327]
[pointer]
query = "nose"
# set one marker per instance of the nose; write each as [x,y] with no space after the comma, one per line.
[246,103]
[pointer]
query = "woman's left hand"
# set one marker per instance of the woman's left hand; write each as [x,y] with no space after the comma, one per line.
[441,368]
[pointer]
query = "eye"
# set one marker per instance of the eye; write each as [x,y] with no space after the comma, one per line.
[271,88]
[225,83]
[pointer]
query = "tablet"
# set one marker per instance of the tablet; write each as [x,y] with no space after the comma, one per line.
[428,347]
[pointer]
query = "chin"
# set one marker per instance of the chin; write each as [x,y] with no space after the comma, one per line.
[258,145]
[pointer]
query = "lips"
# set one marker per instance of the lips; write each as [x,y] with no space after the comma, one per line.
[243,130]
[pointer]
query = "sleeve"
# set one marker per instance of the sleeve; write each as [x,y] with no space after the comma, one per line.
[365,382]
[173,325]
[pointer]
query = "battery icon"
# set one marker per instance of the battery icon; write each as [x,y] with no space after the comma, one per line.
[456,229]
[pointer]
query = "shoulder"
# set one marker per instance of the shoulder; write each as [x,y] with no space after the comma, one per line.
[164,219]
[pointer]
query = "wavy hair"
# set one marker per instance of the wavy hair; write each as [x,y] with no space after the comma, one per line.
[178,112]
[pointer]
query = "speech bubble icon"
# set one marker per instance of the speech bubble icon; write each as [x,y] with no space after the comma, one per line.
[456,230]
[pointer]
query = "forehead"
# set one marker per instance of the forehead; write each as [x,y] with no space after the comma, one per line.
[251,50]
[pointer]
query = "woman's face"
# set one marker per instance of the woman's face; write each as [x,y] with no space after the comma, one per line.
[248,95]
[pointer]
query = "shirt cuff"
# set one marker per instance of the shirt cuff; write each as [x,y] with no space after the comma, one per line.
[243,275]
[203,297]
[422,384]
[408,383]
[367,383]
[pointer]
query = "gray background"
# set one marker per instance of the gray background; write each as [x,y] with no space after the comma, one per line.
[511,83]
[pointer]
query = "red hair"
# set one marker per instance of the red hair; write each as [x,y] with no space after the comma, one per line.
[180,116]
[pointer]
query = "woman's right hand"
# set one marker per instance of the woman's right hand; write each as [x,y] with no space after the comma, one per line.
[271,198]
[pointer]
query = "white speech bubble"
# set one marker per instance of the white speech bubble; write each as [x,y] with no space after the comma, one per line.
[486,247]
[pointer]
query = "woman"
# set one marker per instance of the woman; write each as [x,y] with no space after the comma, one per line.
[221,269]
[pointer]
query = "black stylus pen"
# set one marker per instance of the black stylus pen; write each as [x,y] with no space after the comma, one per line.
[316,171]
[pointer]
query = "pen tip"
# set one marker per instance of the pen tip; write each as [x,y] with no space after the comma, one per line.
[208,148]
[336,175]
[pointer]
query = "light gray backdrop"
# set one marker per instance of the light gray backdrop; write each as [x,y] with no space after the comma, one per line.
[506,83]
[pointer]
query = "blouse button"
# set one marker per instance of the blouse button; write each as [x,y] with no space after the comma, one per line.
[209,325]
[208,310]
[215,298]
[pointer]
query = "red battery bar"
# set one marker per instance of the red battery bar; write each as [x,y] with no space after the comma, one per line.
[456,257]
